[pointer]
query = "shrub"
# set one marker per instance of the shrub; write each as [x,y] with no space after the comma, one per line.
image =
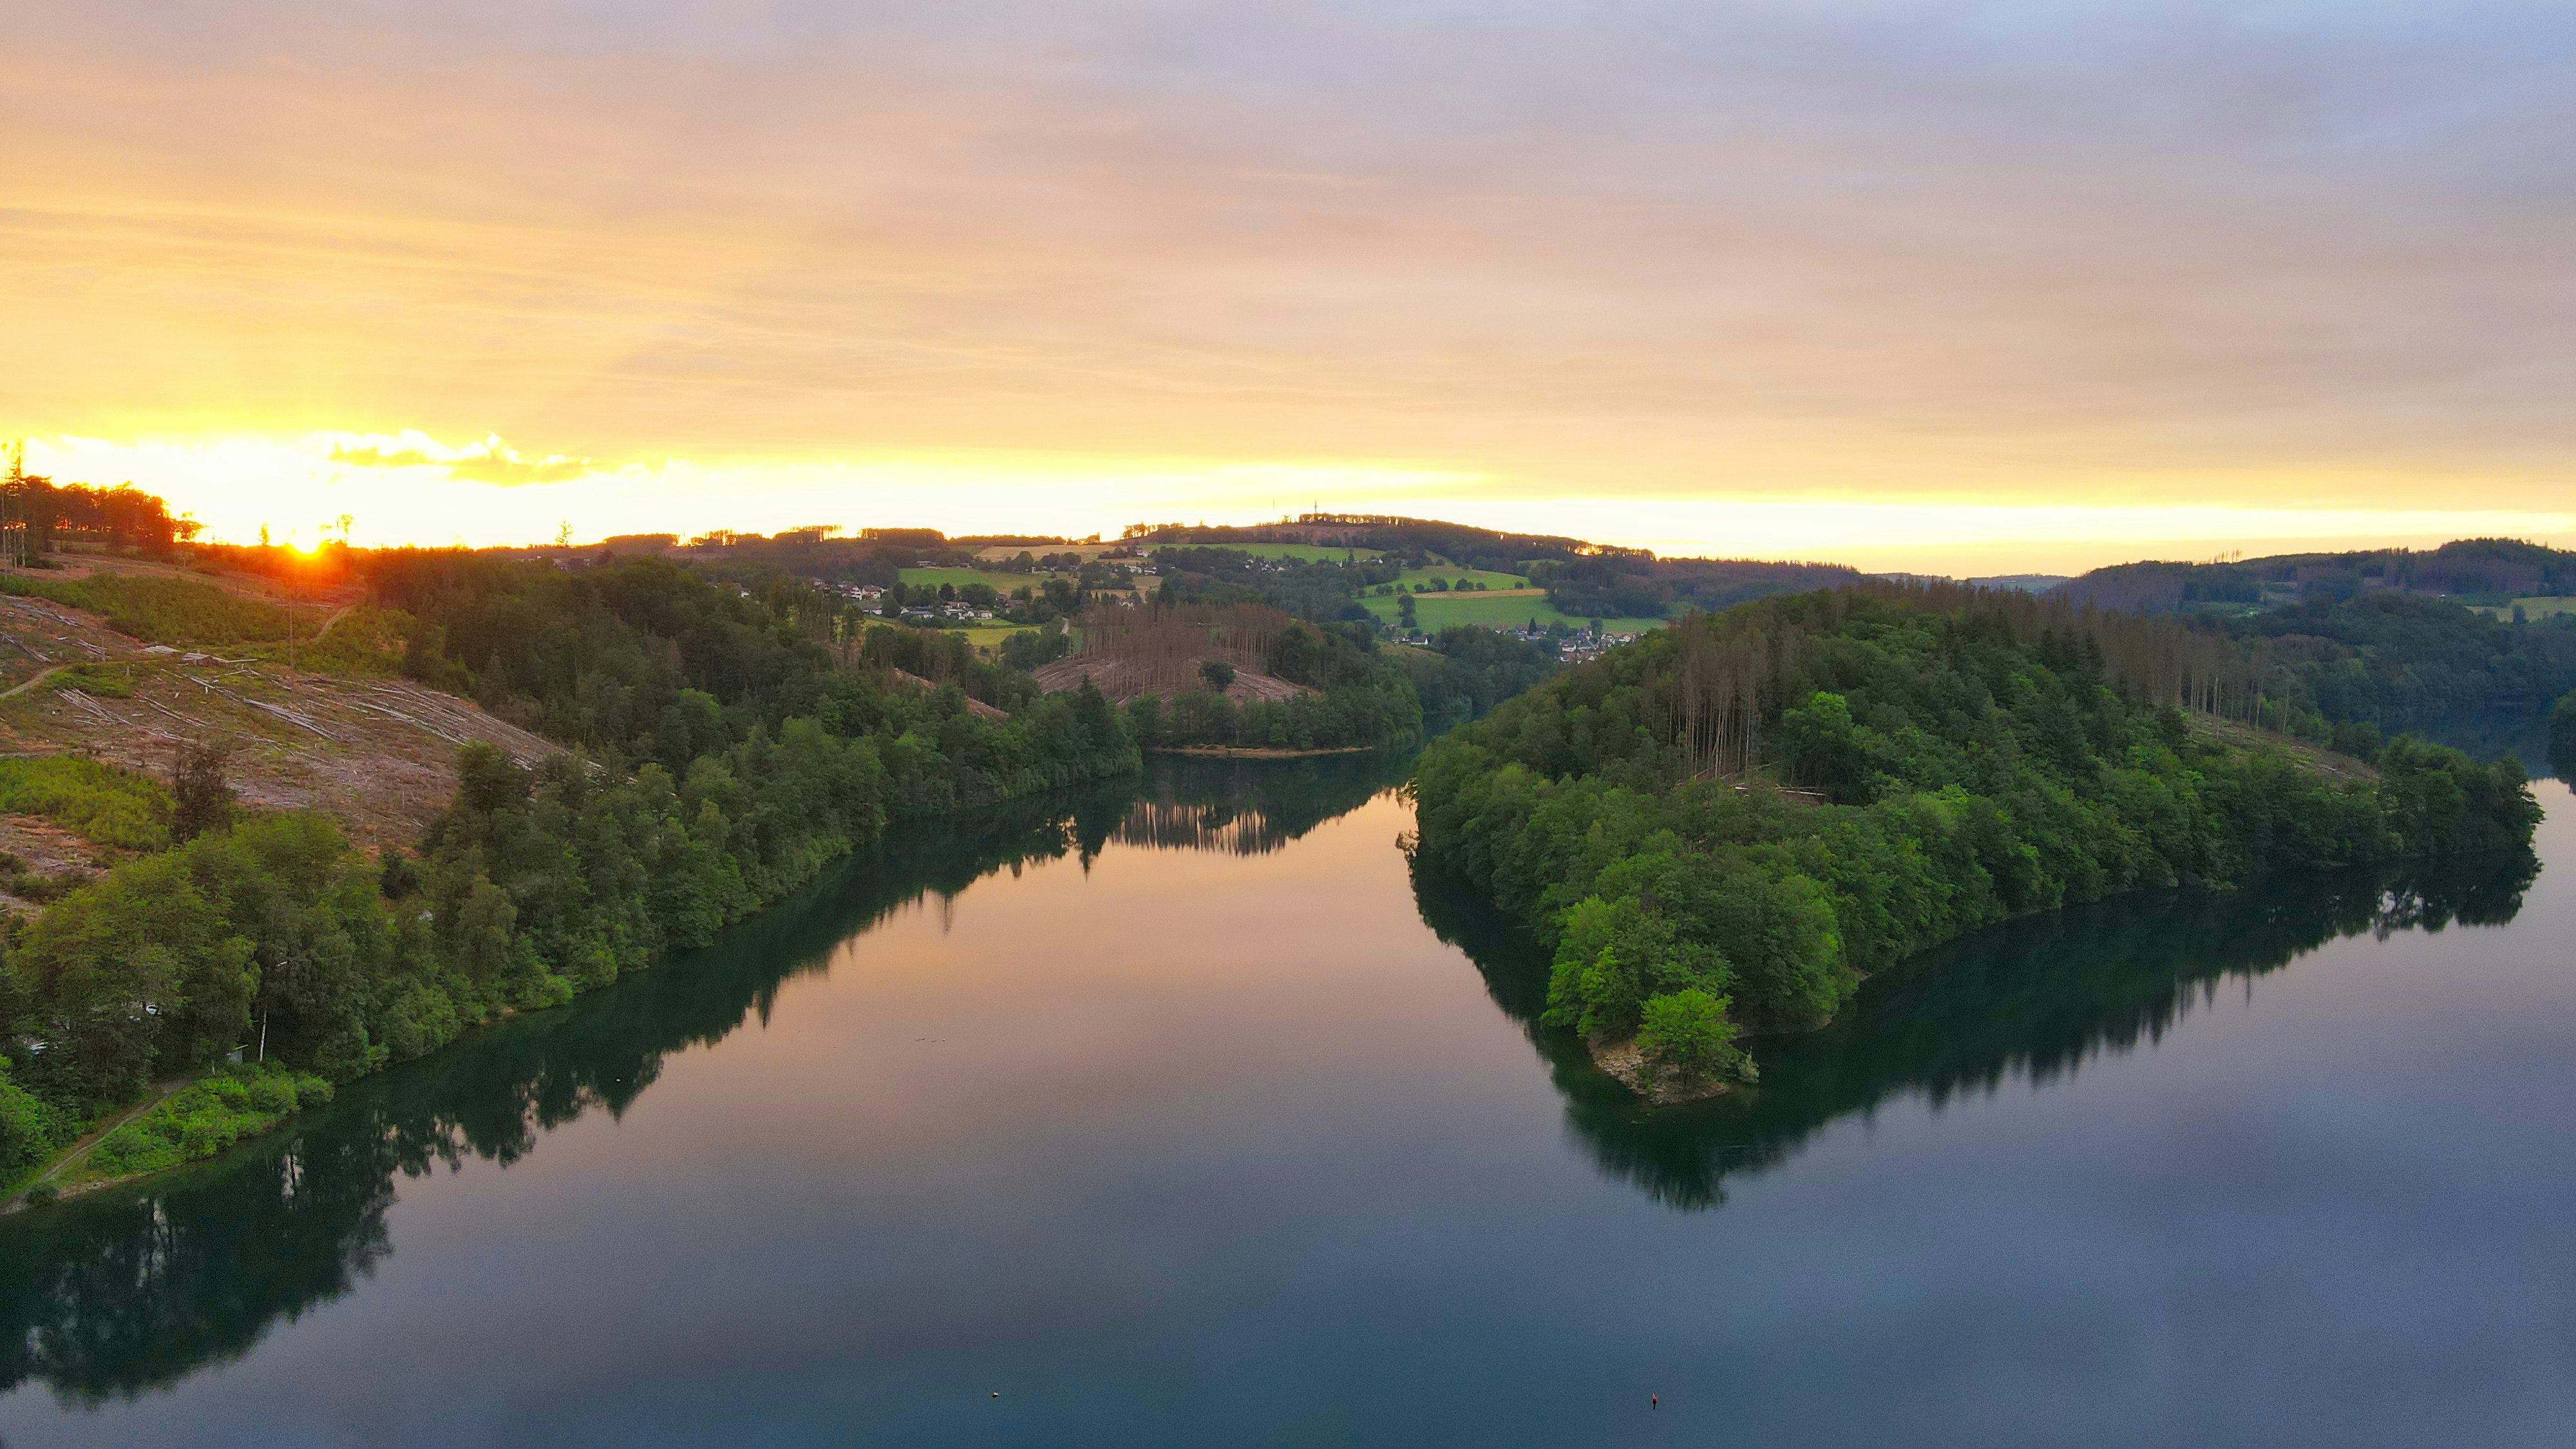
[111,806]
[162,610]
[115,681]
[1688,1034]
[204,1118]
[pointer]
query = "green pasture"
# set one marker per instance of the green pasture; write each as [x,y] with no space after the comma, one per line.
[996,553]
[1493,582]
[1307,551]
[996,579]
[2540,606]
[1512,610]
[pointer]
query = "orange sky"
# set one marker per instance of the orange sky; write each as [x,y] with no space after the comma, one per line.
[1935,287]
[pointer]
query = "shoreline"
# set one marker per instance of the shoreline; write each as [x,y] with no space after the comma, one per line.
[1624,1063]
[78,1150]
[15,1201]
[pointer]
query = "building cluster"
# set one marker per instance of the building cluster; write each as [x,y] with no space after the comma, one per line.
[1584,645]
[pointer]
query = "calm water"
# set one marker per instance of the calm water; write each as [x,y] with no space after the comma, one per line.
[1187,1115]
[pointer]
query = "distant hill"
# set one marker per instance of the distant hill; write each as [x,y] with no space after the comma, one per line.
[2476,570]
[1582,579]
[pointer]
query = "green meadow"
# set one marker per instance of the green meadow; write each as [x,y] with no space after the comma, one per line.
[1512,609]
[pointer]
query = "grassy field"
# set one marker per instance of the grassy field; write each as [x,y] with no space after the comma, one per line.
[1500,610]
[999,581]
[985,636]
[982,636]
[1307,551]
[998,552]
[2542,606]
[1458,575]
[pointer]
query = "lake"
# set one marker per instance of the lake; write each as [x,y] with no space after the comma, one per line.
[1181,1112]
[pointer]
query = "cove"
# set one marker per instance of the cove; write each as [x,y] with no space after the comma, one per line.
[1182,1111]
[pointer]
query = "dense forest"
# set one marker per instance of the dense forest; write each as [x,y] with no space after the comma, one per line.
[1724,826]
[2357,645]
[2393,662]
[2482,570]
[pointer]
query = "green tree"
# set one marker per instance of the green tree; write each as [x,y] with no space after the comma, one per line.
[201,798]
[1687,1033]
[2562,736]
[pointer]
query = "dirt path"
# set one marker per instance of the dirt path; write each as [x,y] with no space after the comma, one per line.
[32,683]
[80,1149]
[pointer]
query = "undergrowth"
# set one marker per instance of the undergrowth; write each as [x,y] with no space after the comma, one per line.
[203,1119]
[103,803]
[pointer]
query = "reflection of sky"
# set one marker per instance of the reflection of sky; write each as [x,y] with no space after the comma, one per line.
[1196,1147]
[1061,260]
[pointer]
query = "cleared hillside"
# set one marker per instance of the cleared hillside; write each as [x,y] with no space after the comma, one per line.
[376,754]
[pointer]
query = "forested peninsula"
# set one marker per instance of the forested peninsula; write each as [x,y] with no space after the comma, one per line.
[1724,827]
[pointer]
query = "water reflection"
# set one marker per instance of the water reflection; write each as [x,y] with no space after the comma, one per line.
[134,1289]
[1249,808]
[2033,1001]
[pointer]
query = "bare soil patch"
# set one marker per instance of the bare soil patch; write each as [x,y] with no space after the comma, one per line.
[378,755]
[1123,680]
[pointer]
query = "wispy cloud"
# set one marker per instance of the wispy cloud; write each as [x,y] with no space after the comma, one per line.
[2116,253]
[489,461]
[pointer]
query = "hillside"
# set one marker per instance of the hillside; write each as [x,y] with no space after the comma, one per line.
[378,754]
[2476,570]
[1579,580]
[1125,679]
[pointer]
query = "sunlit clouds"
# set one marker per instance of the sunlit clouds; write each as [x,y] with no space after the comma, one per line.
[1799,280]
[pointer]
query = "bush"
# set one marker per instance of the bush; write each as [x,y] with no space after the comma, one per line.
[204,1118]
[162,610]
[115,681]
[26,1127]
[2562,736]
[1687,1033]
[106,804]
[43,1194]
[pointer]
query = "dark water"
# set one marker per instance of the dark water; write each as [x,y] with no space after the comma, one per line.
[1188,1116]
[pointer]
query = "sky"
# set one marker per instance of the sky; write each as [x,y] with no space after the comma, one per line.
[1955,288]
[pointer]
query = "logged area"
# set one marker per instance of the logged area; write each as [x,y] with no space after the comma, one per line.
[376,753]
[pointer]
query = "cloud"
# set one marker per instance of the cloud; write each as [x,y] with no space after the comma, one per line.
[2110,252]
[489,461]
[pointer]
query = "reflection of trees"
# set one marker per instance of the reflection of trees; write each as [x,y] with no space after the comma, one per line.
[135,1288]
[2034,1000]
[1249,807]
